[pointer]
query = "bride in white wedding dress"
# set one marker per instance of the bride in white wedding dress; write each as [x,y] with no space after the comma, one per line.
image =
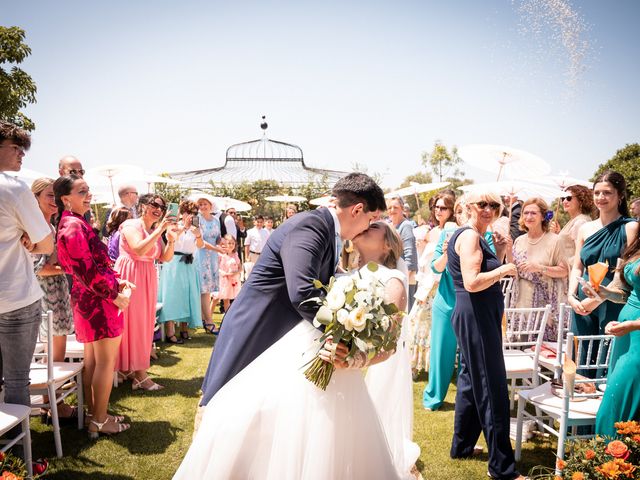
[270,422]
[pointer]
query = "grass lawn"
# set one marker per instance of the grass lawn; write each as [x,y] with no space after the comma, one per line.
[162,427]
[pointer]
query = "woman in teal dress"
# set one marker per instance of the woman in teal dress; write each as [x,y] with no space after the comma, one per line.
[443,339]
[601,240]
[621,400]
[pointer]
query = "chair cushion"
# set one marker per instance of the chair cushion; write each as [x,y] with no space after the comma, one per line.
[517,362]
[11,415]
[543,397]
[62,371]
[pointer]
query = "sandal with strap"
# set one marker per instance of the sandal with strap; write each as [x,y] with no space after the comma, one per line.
[114,418]
[173,339]
[138,385]
[122,427]
[211,328]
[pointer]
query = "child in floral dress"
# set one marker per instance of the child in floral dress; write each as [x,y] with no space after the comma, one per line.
[230,268]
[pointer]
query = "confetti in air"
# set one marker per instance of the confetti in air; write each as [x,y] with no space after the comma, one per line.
[559,30]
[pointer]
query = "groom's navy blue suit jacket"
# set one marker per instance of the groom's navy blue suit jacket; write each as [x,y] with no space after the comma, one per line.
[298,251]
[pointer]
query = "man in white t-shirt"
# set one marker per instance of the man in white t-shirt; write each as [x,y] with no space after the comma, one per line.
[23,230]
[256,240]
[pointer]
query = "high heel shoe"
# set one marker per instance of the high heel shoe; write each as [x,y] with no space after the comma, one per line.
[138,385]
[122,427]
[113,418]
[211,328]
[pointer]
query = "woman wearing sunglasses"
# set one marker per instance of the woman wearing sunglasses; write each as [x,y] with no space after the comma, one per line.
[141,244]
[482,401]
[578,204]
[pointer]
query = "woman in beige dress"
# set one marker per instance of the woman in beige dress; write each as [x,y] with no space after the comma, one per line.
[578,203]
[541,264]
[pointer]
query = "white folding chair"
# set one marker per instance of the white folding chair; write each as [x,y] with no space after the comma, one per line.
[12,415]
[551,362]
[521,343]
[568,408]
[506,283]
[48,377]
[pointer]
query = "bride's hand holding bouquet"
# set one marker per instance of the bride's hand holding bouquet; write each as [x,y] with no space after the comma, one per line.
[359,324]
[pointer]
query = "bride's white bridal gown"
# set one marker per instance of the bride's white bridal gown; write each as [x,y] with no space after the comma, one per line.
[270,422]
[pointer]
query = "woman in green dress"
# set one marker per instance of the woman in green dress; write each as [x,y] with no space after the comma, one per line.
[601,240]
[443,344]
[621,400]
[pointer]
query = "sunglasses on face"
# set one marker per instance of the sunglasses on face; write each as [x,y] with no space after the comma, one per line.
[158,206]
[493,205]
[438,207]
[567,198]
[79,171]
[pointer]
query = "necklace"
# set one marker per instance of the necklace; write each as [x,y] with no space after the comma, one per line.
[536,241]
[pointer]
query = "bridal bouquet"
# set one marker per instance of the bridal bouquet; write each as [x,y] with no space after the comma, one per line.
[354,313]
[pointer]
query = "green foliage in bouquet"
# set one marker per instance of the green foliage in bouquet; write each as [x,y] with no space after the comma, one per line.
[353,312]
[600,458]
[12,467]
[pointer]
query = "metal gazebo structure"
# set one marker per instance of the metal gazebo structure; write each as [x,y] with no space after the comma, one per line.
[262,159]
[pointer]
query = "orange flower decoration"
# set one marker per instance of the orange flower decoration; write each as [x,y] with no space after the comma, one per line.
[577,476]
[617,449]
[628,428]
[590,454]
[560,464]
[636,438]
[609,470]
[10,476]
[626,469]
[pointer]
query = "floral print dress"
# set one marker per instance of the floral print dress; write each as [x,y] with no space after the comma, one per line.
[208,259]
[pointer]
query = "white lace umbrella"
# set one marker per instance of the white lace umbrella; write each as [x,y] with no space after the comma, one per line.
[221,203]
[506,162]
[150,178]
[321,201]
[522,189]
[110,171]
[27,175]
[285,198]
[563,180]
[415,188]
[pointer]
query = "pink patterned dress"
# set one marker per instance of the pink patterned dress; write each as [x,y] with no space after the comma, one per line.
[95,283]
[229,276]
[139,317]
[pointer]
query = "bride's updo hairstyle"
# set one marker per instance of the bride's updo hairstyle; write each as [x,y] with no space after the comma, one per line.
[392,243]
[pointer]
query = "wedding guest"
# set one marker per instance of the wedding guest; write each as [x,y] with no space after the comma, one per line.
[443,344]
[405,230]
[70,165]
[23,230]
[541,264]
[141,244]
[635,208]
[179,289]
[482,400]
[420,315]
[128,195]
[621,400]
[268,224]
[601,240]
[207,259]
[291,210]
[230,268]
[55,288]
[116,218]
[578,204]
[97,298]
[256,240]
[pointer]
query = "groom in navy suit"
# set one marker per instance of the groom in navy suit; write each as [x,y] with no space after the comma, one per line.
[302,249]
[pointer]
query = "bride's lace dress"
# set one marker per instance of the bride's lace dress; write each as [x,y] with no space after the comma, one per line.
[269,422]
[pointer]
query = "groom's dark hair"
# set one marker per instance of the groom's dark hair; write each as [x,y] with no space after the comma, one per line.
[359,188]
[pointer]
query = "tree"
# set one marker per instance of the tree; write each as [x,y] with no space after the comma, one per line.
[445,165]
[626,161]
[17,89]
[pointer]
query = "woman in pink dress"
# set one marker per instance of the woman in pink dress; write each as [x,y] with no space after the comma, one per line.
[230,268]
[96,298]
[140,245]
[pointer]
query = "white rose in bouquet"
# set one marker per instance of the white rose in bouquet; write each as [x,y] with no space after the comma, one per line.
[357,319]
[342,315]
[344,283]
[336,299]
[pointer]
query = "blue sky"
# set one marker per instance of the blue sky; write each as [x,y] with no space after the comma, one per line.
[170,85]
